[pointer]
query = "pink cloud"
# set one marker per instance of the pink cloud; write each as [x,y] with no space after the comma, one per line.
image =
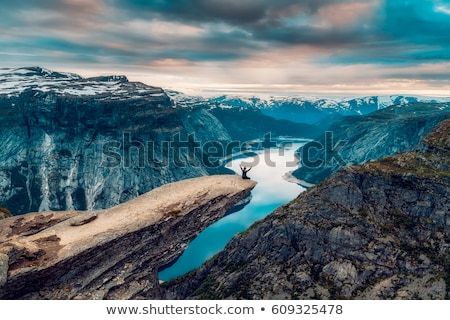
[345,14]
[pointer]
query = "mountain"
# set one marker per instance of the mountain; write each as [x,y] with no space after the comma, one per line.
[385,132]
[312,110]
[375,231]
[245,118]
[113,253]
[307,110]
[245,124]
[73,143]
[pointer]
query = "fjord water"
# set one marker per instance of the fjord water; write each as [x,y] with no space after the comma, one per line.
[272,190]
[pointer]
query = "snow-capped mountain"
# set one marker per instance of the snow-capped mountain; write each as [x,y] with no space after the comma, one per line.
[70,143]
[311,110]
[305,109]
[15,81]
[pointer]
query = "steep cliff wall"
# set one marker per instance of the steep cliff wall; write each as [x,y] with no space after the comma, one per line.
[70,143]
[113,253]
[376,231]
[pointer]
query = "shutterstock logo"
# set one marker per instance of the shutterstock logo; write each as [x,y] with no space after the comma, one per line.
[324,154]
[179,151]
[183,151]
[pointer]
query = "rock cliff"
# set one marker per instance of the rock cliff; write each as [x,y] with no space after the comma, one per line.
[383,133]
[113,253]
[71,143]
[375,231]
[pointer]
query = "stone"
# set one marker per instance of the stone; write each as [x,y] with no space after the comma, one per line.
[111,253]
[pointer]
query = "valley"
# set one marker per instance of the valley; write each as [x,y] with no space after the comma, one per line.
[372,224]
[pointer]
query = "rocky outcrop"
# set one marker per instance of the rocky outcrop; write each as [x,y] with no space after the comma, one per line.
[383,133]
[113,253]
[70,143]
[380,230]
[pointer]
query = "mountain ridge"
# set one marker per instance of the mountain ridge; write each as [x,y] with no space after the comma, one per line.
[303,109]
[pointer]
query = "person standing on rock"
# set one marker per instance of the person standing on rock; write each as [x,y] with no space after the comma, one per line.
[244,172]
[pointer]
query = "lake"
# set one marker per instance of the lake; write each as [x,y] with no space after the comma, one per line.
[272,191]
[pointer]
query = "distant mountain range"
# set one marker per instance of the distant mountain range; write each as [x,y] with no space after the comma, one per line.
[308,110]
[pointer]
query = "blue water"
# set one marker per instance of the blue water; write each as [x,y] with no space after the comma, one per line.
[272,191]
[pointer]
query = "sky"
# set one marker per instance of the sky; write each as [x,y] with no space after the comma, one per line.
[238,46]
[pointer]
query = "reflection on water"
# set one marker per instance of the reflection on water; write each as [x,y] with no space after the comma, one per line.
[271,192]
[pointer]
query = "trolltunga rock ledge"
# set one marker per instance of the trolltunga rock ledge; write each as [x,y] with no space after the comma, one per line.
[113,253]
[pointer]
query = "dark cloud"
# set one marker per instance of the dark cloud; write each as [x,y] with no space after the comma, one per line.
[395,33]
[254,24]
[408,32]
[44,14]
[265,21]
[241,12]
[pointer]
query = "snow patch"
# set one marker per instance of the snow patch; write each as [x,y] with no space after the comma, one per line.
[15,81]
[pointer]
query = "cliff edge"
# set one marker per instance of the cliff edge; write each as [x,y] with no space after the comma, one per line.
[113,253]
[380,230]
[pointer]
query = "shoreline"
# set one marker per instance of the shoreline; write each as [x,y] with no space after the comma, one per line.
[289,177]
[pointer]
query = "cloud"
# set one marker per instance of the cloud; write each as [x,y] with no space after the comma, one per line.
[254,41]
[283,21]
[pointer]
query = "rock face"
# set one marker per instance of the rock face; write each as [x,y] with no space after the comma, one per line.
[376,231]
[71,143]
[386,132]
[113,253]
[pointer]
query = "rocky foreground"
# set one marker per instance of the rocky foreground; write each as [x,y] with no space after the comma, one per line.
[375,231]
[113,253]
